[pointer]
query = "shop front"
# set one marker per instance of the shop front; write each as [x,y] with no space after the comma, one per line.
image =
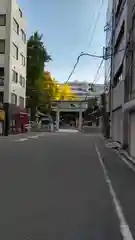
[2,117]
[19,119]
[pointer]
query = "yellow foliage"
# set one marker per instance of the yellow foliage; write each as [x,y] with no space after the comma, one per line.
[58,91]
[65,93]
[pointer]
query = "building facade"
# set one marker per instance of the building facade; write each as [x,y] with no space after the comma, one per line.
[122,74]
[13,55]
[85,90]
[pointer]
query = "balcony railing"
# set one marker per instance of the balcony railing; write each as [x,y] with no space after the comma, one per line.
[1,81]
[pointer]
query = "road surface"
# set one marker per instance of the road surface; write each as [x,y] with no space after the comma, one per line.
[53,187]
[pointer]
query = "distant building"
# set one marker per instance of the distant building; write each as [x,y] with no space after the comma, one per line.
[13,47]
[80,89]
[85,90]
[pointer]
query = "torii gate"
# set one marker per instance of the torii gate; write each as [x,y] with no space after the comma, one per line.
[65,106]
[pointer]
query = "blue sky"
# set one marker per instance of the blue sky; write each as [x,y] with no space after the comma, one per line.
[67,26]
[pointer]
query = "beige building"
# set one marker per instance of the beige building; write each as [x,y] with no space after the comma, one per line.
[13,55]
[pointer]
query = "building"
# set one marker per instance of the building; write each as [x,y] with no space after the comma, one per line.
[129,96]
[13,54]
[108,52]
[122,84]
[85,90]
[80,89]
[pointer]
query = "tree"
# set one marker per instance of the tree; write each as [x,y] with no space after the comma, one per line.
[48,87]
[64,92]
[37,56]
[92,107]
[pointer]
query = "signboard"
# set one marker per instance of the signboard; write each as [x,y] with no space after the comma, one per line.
[2,115]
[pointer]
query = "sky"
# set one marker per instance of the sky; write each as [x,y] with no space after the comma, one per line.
[67,26]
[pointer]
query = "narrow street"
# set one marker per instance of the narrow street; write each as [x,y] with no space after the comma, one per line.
[53,186]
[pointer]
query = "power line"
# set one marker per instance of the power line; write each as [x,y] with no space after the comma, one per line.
[97,72]
[100,65]
[96,22]
[90,55]
[77,61]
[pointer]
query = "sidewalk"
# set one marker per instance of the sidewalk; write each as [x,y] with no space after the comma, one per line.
[117,146]
[123,181]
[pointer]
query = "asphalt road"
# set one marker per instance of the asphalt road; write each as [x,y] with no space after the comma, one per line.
[53,187]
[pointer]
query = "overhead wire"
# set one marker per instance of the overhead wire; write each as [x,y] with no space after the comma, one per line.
[96,22]
[96,75]
[90,41]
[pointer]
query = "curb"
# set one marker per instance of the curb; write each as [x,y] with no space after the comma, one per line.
[117,147]
[127,156]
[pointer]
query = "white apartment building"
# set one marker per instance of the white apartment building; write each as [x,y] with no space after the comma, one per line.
[13,55]
[122,75]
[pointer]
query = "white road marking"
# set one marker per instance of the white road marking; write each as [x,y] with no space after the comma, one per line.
[68,131]
[21,140]
[33,137]
[124,228]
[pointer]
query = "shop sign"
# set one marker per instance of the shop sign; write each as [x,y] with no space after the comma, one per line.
[2,115]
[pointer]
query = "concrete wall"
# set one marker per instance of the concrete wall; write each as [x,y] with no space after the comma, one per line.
[118,95]
[117,125]
[132,135]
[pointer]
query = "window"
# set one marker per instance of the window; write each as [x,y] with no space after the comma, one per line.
[2,19]
[13,98]
[120,37]
[15,26]
[23,35]
[118,7]
[15,51]
[1,71]
[21,102]
[119,77]
[119,10]
[2,46]
[20,12]
[1,76]
[22,81]
[132,85]
[14,76]
[22,60]
[1,97]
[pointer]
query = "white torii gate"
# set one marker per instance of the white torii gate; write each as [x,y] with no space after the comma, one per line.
[65,106]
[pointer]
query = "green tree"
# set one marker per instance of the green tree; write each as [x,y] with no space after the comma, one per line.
[37,56]
[92,106]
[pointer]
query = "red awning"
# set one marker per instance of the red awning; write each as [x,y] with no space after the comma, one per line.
[16,110]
